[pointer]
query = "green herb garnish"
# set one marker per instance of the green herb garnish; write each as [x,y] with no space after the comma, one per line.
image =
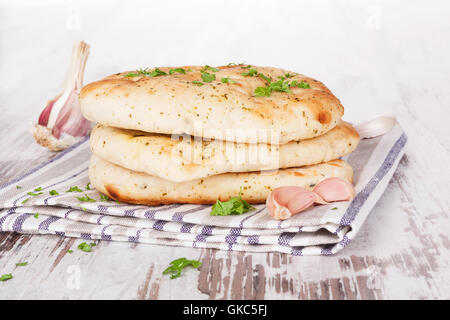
[25,201]
[18,187]
[177,70]
[34,194]
[69,251]
[53,193]
[88,186]
[86,247]
[6,277]
[177,265]
[206,68]
[208,77]
[21,264]
[246,67]
[198,83]
[262,92]
[86,199]
[234,206]
[266,78]
[104,197]
[335,208]
[145,72]
[36,215]
[228,80]
[301,84]
[140,72]
[157,72]
[251,72]
[280,86]
[74,189]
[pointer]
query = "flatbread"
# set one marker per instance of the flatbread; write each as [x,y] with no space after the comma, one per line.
[173,104]
[181,159]
[140,188]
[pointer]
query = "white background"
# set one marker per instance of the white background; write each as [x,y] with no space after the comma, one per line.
[374,55]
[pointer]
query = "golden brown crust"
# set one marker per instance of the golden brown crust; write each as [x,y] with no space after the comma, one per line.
[173,104]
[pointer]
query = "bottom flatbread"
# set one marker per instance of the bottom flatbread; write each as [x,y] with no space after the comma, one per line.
[125,185]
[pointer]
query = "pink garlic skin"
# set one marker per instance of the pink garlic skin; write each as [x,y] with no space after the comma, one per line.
[284,202]
[70,119]
[334,189]
[45,115]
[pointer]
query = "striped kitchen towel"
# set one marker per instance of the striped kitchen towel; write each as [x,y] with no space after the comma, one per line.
[46,201]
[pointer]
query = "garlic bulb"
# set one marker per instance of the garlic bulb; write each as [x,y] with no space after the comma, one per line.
[61,123]
[375,127]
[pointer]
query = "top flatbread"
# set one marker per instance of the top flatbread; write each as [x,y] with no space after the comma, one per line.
[173,104]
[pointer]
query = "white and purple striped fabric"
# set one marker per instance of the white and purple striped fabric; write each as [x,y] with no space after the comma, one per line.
[322,230]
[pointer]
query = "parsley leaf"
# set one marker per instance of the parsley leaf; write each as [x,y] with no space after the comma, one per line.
[86,247]
[69,251]
[268,79]
[157,72]
[234,206]
[18,187]
[177,265]
[301,84]
[86,199]
[198,83]
[88,186]
[34,194]
[140,72]
[177,70]
[262,92]
[247,67]
[206,68]
[251,72]
[280,86]
[74,189]
[104,197]
[208,77]
[21,264]
[53,193]
[25,201]
[335,208]
[228,80]
[145,72]
[36,215]
[6,277]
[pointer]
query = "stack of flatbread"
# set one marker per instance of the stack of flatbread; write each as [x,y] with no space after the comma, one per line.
[200,134]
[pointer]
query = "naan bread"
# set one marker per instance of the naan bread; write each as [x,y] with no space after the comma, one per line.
[173,104]
[184,159]
[140,188]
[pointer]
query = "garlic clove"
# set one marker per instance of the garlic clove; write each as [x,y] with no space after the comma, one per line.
[334,189]
[61,123]
[284,202]
[276,210]
[375,127]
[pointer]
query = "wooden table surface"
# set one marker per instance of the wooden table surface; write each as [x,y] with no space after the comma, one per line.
[382,57]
